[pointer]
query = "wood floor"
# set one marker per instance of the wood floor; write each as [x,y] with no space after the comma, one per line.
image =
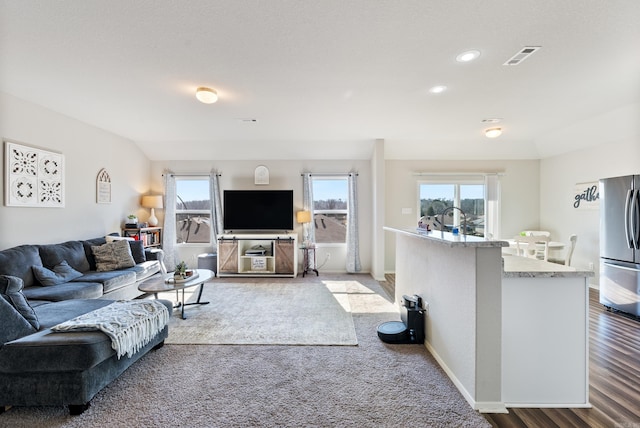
[614,377]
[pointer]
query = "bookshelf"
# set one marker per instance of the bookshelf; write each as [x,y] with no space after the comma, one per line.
[151,237]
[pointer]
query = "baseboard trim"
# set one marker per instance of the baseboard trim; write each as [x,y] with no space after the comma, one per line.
[480,406]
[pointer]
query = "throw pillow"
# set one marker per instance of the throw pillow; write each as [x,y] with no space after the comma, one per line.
[59,274]
[137,251]
[137,247]
[11,291]
[112,256]
[14,326]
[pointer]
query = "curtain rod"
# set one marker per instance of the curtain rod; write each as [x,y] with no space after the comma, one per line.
[444,174]
[329,174]
[204,174]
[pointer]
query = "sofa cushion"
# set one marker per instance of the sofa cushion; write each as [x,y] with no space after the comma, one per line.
[111,280]
[14,325]
[54,313]
[112,256]
[71,251]
[66,291]
[144,270]
[17,261]
[60,273]
[11,292]
[48,351]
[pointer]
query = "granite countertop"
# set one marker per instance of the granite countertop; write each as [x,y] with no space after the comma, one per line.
[525,267]
[449,239]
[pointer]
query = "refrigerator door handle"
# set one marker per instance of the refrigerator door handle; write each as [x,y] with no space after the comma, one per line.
[635,212]
[627,218]
[621,267]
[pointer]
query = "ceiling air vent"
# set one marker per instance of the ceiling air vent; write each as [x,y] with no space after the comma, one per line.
[524,53]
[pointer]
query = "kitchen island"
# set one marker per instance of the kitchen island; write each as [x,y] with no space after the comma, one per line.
[508,331]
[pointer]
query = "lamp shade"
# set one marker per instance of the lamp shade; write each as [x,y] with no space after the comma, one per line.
[152,201]
[303,216]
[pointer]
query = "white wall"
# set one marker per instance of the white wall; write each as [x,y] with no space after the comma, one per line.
[237,174]
[86,149]
[559,175]
[519,194]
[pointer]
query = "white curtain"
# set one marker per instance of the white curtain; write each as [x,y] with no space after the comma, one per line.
[169,236]
[216,209]
[492,206]
[307,205]
[353,242]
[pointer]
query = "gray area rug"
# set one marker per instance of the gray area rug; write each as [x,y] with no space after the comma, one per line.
[373,384]
[267,313]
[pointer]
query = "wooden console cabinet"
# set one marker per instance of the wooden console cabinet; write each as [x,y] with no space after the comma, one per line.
[258,255]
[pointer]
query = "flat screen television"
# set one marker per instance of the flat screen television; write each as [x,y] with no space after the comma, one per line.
[258,210]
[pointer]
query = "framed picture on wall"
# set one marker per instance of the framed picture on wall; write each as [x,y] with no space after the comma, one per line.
[103,187]
[33,177]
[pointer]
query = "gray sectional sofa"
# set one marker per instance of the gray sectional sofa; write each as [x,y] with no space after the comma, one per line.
[44,285]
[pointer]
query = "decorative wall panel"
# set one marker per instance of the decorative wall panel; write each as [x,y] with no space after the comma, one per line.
[33,177]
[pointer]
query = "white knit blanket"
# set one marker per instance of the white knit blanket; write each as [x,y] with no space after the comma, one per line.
[129,324]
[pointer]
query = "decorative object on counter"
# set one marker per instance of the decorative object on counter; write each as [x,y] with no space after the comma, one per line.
[103,187]
[34,177]
[152,201]
[131,221]
[423,223]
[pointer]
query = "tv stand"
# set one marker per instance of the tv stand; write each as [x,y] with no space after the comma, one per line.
[257,254]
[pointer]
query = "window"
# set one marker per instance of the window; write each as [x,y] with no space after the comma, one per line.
[469,196]
[193,211]
[330,209]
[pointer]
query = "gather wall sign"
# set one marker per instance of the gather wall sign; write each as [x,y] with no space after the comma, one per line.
[586,196]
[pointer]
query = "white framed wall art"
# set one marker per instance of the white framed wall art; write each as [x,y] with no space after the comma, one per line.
[33,177]
[103,187]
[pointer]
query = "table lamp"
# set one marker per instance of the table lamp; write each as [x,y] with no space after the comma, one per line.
[304,217]
[152,201]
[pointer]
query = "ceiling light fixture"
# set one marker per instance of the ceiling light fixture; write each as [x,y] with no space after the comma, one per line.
[493,132]
[438,89]
[468,56]
[206,95]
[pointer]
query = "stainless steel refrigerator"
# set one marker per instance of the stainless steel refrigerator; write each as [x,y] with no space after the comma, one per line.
[620,243]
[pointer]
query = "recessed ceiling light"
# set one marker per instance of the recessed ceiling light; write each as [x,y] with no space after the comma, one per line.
[493,132]
[438,89]
[206,95]
[468,56]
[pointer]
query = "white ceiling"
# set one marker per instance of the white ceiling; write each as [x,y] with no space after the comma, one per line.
[324,79]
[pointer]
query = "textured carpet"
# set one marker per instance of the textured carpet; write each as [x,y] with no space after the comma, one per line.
[269,313]
[370,385]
